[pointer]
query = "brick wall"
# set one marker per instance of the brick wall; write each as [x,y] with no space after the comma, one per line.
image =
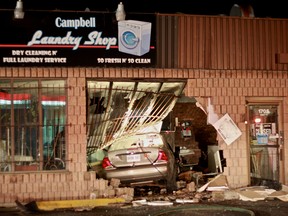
[190,119]
[75,182]
[227,90]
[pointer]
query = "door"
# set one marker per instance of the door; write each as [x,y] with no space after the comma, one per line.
[265,142]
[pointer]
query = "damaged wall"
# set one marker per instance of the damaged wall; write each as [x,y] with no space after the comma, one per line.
[192,132]
[227,90]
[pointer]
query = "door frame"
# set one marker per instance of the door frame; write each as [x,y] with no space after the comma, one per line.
[279,102]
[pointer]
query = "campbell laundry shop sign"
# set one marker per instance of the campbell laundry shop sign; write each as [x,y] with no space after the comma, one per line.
[77,39]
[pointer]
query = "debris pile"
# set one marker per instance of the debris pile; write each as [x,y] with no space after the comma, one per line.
[214,190]
[113,190]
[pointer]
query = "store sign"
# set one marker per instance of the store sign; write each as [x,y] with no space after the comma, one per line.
[77,39]
[265,128]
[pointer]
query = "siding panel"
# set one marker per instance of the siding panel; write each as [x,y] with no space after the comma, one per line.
[194,49]
[200,42]
[225,45]
[220,42]
[255,45]
[208,57]
[249,44]
[231,46]
[261,44]
[167,37]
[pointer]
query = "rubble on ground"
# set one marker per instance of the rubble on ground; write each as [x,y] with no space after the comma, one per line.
[191,189]
[113,190]
[195,190]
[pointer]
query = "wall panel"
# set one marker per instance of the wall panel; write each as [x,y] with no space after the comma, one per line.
[167,37]
[221,42]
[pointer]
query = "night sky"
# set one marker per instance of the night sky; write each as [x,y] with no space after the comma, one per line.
[262,8]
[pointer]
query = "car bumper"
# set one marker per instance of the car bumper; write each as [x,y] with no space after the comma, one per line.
[138,174]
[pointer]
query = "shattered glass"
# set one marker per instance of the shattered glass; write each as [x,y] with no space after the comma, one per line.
[117,109]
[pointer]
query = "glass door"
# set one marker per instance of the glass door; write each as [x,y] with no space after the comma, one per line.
[264,142]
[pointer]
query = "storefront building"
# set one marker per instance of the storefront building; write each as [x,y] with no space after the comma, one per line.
[238,65]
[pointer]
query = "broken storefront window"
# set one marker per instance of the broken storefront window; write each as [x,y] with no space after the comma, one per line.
[117,109]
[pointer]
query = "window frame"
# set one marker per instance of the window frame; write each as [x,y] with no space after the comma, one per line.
[10,154]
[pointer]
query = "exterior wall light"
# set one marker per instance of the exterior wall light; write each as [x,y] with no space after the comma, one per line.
[120,12]
[18,12]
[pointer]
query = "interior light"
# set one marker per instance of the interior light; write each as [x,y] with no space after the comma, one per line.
[257,120]
[18,12]
[120,12]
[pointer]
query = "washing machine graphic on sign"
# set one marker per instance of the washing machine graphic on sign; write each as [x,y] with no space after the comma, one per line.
[134,37]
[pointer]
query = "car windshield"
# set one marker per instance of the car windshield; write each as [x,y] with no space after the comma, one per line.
[140,140]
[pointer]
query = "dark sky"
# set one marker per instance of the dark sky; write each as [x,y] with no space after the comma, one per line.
[262,8]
